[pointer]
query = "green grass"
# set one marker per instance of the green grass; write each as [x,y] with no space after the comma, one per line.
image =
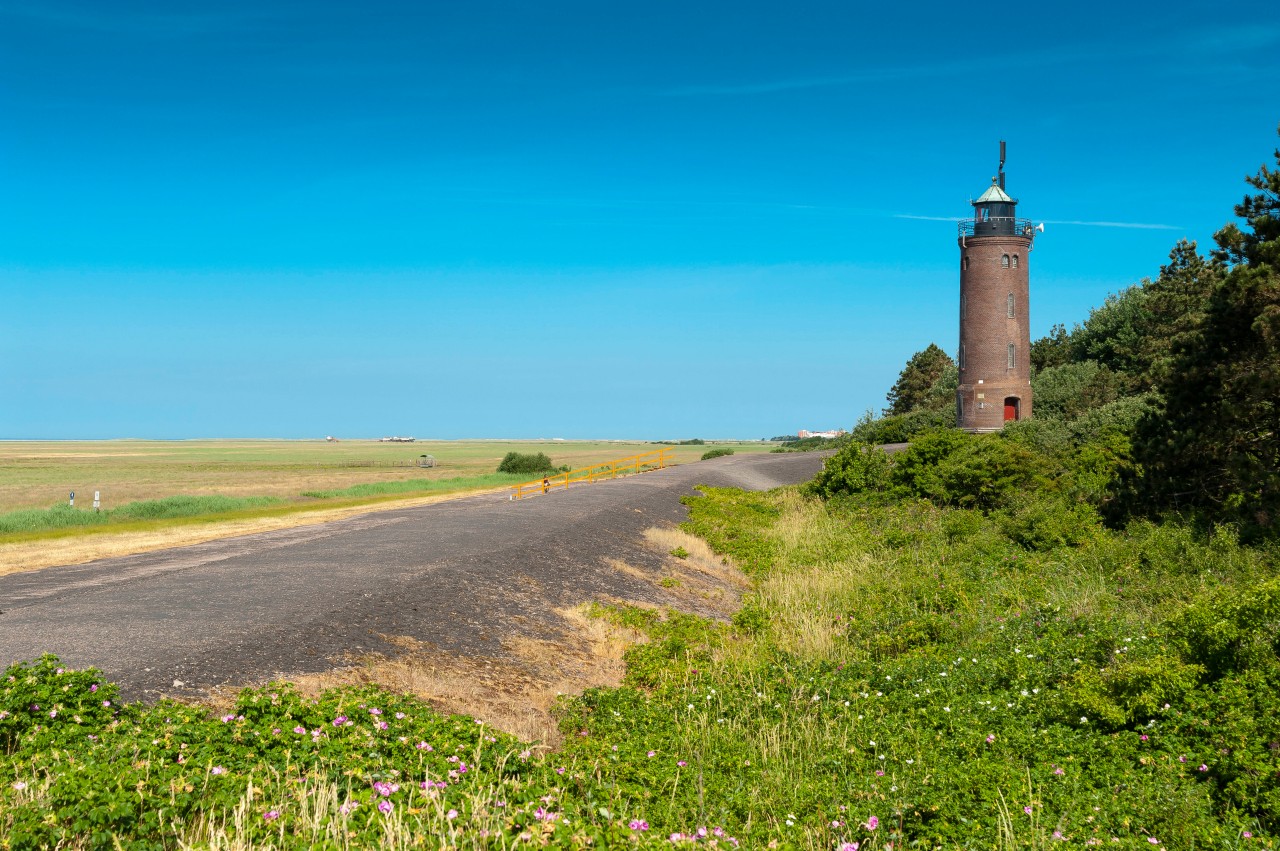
[899,674]
[59,517]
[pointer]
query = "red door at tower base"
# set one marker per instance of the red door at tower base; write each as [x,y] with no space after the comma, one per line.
[1010,409]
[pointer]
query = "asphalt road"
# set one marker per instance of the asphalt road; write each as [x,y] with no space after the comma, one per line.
[460,576]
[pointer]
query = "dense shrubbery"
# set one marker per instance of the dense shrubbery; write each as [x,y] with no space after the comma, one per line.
[526,464]
[946,466]
[716,453]
[900,428]
[922,665]
[857,468]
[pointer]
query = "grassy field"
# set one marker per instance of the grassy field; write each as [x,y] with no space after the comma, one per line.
[40,474]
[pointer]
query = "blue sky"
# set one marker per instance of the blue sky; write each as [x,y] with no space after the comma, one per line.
[657,220]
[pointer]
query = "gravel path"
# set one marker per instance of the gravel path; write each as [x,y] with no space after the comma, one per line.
[461,576]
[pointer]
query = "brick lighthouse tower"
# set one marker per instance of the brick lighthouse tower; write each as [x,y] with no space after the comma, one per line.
[995,335]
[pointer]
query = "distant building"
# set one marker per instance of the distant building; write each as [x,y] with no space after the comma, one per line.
[803,433]
[397,440]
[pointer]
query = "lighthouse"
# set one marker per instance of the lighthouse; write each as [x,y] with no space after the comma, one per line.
[995,335]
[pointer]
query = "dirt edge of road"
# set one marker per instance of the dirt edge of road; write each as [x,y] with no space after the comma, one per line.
[518,693]
[36,555]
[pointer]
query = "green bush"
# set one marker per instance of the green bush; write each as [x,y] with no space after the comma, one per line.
[857,468]
[1046,522]
[526,464]
[1069,390]
[951,467]
[1129,692]
[1230,630]
[716,453]
[751,619]
[903,427]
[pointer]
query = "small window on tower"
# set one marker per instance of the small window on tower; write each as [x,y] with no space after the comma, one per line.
[1010,305]
[1004,261]
[962,307]
[962,355]
[964,262]
[1015,261]
[1011,356]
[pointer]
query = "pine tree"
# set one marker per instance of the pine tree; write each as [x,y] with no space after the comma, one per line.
[922,372]
[1215,450]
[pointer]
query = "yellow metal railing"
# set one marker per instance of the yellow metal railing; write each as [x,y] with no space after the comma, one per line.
[607,470]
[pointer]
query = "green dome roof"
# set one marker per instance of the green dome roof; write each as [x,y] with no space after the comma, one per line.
[994,195]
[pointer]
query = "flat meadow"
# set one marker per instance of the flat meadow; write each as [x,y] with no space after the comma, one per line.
[39,474]
[159,494]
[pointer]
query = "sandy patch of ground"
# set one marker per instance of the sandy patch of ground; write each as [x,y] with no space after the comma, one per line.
[516,694]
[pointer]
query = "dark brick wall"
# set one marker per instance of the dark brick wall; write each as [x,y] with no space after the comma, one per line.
[986,330]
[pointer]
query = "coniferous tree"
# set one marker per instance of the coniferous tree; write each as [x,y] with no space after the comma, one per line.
[922,372]
[1215,449]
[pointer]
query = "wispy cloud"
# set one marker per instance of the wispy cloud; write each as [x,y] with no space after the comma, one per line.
[1211,43]
[927,218]
[854,78]
[1135,225]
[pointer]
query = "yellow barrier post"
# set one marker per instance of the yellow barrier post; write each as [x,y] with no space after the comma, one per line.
[633,463]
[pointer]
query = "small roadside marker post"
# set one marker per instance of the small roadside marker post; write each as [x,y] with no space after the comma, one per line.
[73,499]
[97,501]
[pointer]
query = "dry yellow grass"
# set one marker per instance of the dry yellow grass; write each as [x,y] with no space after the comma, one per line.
[807,601]
[700,558]
[108,543]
